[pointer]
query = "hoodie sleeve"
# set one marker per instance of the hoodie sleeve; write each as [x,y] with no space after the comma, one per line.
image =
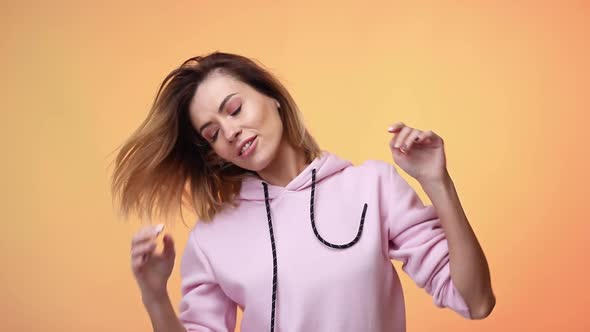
[203,307]
[417,239]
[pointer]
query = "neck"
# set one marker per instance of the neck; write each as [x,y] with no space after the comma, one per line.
[288,163]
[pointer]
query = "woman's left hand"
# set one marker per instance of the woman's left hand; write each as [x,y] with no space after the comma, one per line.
[419,153]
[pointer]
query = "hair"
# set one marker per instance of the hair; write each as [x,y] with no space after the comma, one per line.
[166,164]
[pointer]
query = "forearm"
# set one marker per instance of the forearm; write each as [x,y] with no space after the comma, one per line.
[162,314]
[469,268]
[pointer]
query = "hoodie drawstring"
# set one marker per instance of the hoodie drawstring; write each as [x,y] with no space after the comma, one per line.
[274,258]
[315,231]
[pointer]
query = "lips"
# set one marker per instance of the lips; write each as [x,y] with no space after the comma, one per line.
[243,143]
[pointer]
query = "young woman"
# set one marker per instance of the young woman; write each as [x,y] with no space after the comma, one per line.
[298,238]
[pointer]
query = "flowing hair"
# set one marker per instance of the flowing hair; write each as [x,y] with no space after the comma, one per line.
[166,164]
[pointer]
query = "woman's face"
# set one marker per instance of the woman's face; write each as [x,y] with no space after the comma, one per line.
[242,125]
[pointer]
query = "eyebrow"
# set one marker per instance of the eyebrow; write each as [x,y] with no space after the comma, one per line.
[219,110]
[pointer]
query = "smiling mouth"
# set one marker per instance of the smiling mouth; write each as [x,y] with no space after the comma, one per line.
[247,146]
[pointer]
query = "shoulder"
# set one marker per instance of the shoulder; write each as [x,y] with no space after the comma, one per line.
[373,172]
[369,173]
[375,165]
[226,222]
[377,168]
[226,214]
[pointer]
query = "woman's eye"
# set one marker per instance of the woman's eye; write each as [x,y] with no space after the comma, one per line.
[236,111]
[212,135]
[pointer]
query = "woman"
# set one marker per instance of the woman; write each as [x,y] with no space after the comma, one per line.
[298,238]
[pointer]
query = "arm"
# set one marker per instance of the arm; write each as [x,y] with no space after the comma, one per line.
[449,262]
[416,239]
[469,267]
[162,315]
[152,271]
[204,306]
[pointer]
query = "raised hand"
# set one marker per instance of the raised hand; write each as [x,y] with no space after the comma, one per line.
[150,269]
[419,153]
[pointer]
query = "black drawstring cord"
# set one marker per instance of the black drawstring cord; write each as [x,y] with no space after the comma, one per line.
[315,231]
[274,258]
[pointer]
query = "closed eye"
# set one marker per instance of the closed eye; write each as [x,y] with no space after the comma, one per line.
[211,134]
[236,111]
[214,137]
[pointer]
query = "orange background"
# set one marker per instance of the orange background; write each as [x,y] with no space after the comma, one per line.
[506,84]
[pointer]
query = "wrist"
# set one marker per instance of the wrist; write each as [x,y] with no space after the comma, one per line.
[155,298]
[441,183]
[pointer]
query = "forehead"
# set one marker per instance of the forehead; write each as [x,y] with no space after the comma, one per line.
[211,92]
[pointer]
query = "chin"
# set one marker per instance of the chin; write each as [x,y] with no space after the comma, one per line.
[260,160]
[255,165]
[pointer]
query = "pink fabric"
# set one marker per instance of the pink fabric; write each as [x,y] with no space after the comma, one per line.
[228,262]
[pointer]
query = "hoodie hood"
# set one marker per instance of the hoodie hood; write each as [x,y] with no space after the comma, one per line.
[326,165]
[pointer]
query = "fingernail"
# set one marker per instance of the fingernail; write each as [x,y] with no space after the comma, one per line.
[390,129]
[159,228]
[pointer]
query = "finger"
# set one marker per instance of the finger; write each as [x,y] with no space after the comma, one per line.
[137,262]
[147,233]
[400,138]
[425,137]
[143,241]
[168,246]
[395,127]
[411,139]
[143,249]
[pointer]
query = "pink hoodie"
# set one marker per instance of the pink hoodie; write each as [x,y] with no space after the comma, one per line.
[232,260]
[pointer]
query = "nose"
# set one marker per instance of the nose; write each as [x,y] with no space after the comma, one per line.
[231,133]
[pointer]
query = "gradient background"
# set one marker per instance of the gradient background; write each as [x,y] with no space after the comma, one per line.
[506,84]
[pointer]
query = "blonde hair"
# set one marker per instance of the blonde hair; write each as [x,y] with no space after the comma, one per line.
[165,164]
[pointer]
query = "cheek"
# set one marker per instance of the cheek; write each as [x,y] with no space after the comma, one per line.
[271,122]
[223,151]
[261,116]
[277,124]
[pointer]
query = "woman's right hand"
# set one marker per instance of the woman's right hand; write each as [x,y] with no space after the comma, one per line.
[152,270]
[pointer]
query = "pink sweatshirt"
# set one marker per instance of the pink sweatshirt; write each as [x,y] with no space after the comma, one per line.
[340,279]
